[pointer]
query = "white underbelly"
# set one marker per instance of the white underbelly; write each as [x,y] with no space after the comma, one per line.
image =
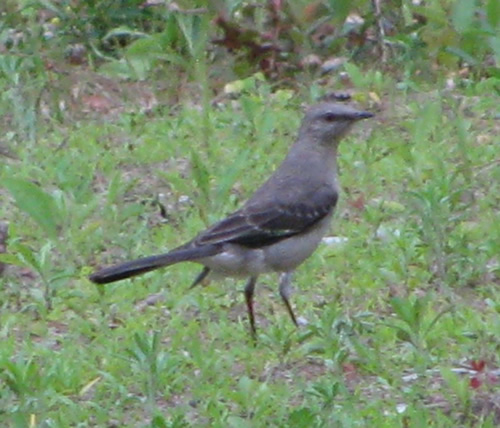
[283,256]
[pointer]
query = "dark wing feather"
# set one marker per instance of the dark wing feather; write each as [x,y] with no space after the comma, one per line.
[269,221]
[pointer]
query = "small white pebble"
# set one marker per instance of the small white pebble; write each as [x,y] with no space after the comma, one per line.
[450,83]
[359,164]
[302,321]
[335,240]
[401,407]
[385,234]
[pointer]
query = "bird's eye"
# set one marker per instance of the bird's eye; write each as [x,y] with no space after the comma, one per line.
[330,117]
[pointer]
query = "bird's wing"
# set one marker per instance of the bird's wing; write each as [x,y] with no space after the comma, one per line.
[270,220]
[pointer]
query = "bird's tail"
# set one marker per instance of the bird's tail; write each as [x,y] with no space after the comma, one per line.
[146,264]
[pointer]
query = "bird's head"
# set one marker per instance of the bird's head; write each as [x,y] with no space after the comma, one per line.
[329,122]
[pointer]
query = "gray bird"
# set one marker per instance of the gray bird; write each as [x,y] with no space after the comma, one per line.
[279,226]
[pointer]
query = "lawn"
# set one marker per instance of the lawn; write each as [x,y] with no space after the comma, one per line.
[400,313]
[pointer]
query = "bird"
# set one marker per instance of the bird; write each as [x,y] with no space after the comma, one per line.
[279,226]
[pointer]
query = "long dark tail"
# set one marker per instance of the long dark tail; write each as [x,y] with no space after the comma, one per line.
[146,264]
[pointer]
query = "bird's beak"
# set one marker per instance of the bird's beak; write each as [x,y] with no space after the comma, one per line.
[362,115]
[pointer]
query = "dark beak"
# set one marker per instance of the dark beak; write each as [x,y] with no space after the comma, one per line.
[362,115]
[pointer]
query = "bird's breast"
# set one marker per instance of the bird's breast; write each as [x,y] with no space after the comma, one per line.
[286,255]
[237,261]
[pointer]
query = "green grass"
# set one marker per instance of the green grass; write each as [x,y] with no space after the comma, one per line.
[409,297]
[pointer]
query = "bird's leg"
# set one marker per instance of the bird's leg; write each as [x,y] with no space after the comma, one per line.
[249,290]
[285,293]
[201,276]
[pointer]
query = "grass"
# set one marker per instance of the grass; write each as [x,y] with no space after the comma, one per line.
[403,325]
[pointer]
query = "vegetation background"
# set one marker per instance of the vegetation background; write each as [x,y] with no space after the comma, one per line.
[130,125]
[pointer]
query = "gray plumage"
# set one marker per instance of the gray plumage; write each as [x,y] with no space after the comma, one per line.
[280,225]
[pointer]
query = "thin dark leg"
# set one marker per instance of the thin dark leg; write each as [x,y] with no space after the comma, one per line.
[285,293]
[201,276]
[249,290]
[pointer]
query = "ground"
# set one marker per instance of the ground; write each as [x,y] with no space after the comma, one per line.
[400,317]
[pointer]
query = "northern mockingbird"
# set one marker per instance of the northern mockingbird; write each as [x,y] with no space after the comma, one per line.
[279,226]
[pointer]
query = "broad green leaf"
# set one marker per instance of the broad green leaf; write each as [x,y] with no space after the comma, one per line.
[11,259]
[494,43]
[434,12]
[192,29]
[39,205]
[146,48]
[493,12]
[404,310]
[123,31]
[118,69]
[25,256]
[303,417]
[355,74]
[462,54]
[341,9]
[462,15]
